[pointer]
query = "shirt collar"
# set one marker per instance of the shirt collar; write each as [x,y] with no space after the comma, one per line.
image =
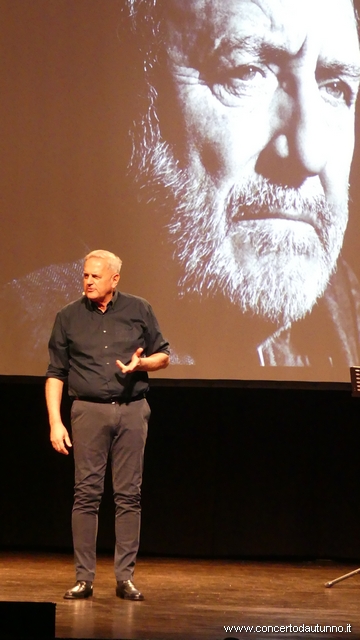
[92,305]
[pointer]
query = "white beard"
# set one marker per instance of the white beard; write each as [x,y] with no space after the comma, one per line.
[270,266]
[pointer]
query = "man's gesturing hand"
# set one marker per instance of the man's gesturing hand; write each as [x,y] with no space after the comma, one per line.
[134,363]
[59,438]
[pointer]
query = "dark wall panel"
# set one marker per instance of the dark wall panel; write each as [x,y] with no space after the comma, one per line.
[266,472]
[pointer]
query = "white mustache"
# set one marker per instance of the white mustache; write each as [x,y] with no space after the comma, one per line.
[260,200]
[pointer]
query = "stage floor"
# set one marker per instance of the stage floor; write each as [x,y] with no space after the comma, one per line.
[191,599]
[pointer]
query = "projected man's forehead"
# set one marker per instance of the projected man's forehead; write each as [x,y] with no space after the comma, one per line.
[194,30]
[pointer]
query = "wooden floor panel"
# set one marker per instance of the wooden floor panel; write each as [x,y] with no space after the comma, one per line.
[190,599]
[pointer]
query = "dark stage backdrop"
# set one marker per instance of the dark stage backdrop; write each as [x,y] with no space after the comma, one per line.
[69,79]
[267,472]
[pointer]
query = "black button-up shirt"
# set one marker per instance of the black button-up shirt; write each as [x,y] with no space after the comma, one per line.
[85,343]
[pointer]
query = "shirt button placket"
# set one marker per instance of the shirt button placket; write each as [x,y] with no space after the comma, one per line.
[105,346]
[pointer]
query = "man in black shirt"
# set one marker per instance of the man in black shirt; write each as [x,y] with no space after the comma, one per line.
[104,344]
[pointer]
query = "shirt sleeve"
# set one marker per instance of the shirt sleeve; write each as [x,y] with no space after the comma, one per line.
[155,342]
[58,352]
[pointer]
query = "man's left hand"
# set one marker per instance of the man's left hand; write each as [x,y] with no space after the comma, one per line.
[134,363]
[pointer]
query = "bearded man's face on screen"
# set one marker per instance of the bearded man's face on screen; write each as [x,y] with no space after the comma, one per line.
[254,142]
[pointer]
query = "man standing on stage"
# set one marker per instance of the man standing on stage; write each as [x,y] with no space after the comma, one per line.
[104,344]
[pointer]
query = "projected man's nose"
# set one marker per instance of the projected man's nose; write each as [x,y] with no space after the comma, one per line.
[298,147]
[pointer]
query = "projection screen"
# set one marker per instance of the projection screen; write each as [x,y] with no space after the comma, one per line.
[210,144]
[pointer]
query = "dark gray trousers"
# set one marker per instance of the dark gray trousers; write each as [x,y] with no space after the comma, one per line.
[99,431]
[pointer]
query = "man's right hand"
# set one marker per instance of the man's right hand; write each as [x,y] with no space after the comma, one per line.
[59,438]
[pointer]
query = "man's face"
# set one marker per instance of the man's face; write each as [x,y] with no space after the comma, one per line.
[260,149]
[99,280]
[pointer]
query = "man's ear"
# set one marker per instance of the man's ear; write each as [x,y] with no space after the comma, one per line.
[116,278]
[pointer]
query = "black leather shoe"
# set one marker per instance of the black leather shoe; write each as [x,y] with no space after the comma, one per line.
[82,589]
[126,589]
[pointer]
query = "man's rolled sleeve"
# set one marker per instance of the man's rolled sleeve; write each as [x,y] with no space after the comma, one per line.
[154,339]
[58,352]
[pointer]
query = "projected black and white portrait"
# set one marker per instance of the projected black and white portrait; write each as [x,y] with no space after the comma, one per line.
[255,150]
[237,149]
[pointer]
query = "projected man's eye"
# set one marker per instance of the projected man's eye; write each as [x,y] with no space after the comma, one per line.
[247,74]
[243,81]
[337,92]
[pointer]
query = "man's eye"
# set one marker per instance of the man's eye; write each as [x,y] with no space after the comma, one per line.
[247,73]
[245,82]
[243,78]
[337,91]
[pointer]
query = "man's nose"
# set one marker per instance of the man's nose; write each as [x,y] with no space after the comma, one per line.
[298,148]
[307,137]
